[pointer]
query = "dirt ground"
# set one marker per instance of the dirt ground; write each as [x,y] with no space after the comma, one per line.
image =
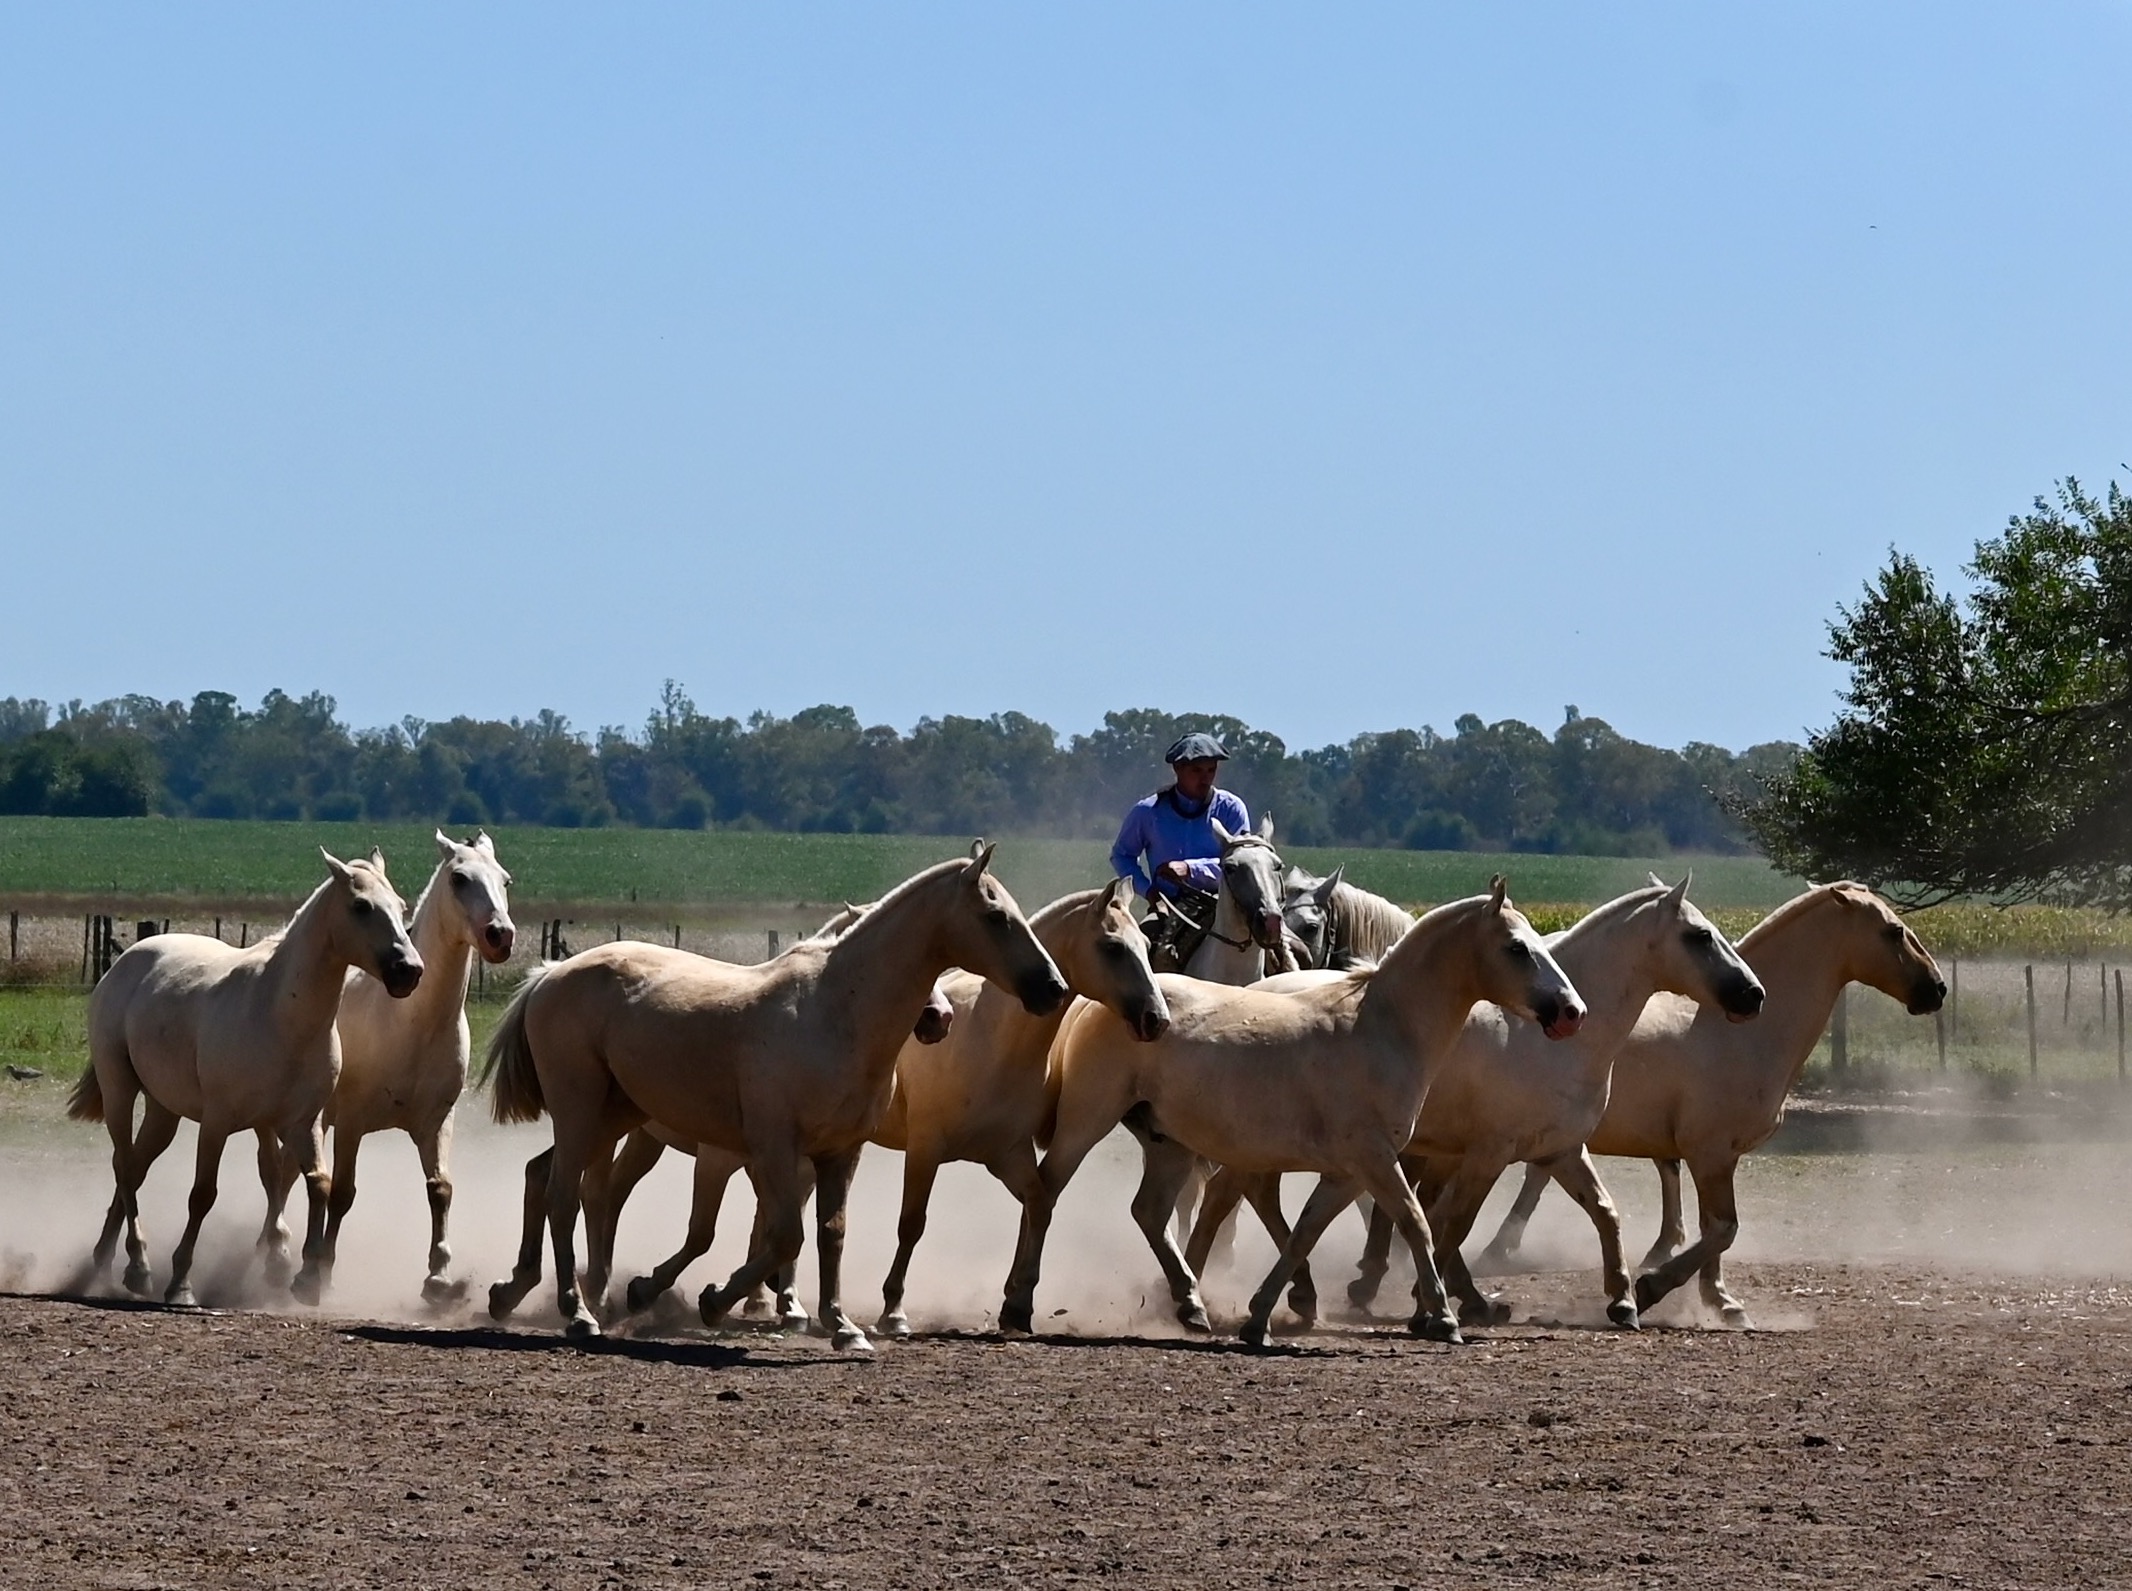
[1950,1404]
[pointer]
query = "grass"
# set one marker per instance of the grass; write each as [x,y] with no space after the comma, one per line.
[147,861]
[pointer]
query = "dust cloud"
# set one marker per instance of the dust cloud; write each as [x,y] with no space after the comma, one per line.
[2027,1210]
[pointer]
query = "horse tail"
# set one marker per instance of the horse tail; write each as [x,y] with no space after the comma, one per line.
[507,1069]
[86,1103]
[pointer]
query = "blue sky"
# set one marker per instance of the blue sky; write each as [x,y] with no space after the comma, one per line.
[1336,368]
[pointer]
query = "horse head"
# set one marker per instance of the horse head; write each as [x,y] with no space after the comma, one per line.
[1881,950]
[1518,972]
[1306,906]
[1251,877]
[1105,959]
[368,923]
[1697,961]
[478,890]
[987,934]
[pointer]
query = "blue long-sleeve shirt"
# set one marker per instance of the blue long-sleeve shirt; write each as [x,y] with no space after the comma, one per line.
[1157,828]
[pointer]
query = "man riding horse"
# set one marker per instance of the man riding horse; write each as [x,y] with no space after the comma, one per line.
[1174,830]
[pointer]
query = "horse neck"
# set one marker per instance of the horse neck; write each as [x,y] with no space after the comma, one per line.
[1603,956]
[1001,1026]
[887,961]
[1802,970]
[1427,986]
[441,938]
[304,970]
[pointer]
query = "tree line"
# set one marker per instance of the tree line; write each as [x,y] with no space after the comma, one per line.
[1501,786]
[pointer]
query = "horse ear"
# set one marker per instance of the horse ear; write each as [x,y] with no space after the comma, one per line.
[446,846]
[1656,881]
[483,843]
[1265,826]
[1115,894]
[980,859]
[1323,894]
[1223,835]
[377,858]
[1498,892]
[338,867]
[1679,892]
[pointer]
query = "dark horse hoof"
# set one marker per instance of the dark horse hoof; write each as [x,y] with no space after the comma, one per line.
[1017,1317]
[1194,1319]
[1362,1292]
[1484,1312]
[641,1294]
[1648,1292]
[1436,1328]
[1621,1312]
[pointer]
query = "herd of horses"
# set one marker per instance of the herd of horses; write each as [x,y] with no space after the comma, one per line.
[1407,1062]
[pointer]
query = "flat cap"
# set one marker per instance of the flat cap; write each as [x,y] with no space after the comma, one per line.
[1194,747]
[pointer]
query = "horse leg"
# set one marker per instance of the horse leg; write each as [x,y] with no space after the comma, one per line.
[1720,1222]
[920,1167]
[1376,1261]
[273,1244]
[1451,1215]
[1166,1166]
[1331,1196]
[1504,1245]
[583,1142]
[783,1282]
[1719,1209]
[505,1296]
[1217,1202]
[1081,1125]
[340,1197]
[306,1145]
[434,1146]
[778,1197]
[1264,1192]
[1580,1180]
[832,1190]
[207,1167]
[1432,1310]
[639,1153]
[594,1191]
[1672,1227]
[158,1127]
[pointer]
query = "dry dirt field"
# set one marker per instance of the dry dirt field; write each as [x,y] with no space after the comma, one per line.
[1948,1403]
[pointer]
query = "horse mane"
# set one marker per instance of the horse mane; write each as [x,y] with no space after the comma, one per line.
[281,933]
[1052,911]
[1620,905]
[1798,906]
[1363,925]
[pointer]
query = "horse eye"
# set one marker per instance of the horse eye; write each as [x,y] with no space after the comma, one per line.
[1894,931]
[997,914]
[363,908]
[1700,936]
[1520,951]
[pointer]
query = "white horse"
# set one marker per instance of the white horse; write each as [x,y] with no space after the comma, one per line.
[236,1040]
[1247,910]
[790,1060]
[403,1062]
[1339,925]
[1326,1079]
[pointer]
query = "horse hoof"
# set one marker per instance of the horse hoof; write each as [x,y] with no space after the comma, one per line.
[180,1296]
[140,1281]
[1735,1316]
[1019,1318]
[1256,1334]
[279,1272]
[1193,1318]
[849,1339]
[1362,1292]
[443,1290]
[1304,1306]
[1622,1312]
[308,1288]
[895,1325]
[580,1328]
[754,1304]
[1484,1312]
[1648,1292]
[1436,1328]
[641,1294]
[711,1309]
[503,1299]
[793,1317]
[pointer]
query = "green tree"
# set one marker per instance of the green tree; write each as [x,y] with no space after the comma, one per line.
[1986,748]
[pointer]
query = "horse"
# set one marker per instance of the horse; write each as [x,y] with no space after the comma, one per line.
[404,1062]
[793,1058]
[1247,915]
[1326,1079]
[984,1095]
[1688,1087]
[234,1040]
[1337,924]
[1503,1094]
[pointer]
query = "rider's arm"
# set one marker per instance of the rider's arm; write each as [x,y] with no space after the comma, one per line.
[1125,850]
[1204,873]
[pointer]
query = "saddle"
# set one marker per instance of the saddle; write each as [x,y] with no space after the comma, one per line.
[1177,928]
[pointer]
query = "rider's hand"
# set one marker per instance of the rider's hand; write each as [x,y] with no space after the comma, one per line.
[1175,872]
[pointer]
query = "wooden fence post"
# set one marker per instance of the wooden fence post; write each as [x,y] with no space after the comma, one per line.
[1954,1003]
[14,931]
[677,936]
[218,929]
[2066,1020]
[244,935]
[1839,1033]
[2028,979]
[85,931]
[773,944]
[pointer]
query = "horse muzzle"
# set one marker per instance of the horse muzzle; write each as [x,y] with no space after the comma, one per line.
[1043,995]
[1743,1002]
[495,943]
[1559,1019]
[401,976]
[933,1023]
[1149,1023]
[1927,997]
[1266,930]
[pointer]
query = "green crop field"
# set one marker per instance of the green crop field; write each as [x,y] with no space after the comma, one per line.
[129,861]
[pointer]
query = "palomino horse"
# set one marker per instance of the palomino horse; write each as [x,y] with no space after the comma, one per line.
[984,1095]
[1337,924]
[1327,1079]
[403,1062]
[1688,1086]
[235,1040]
[791,1059]
[1247,911]
[1504,1094]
